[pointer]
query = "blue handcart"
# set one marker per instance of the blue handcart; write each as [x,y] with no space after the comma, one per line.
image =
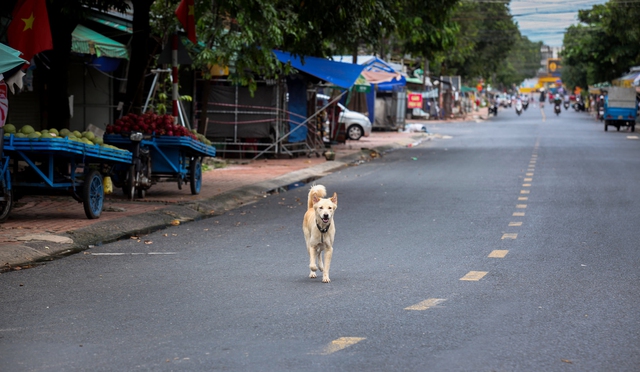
[34,166]
[160,159]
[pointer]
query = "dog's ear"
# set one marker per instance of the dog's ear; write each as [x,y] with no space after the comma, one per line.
[315,199]
[334,198]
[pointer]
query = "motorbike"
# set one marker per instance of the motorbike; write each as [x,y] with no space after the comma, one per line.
[557,108]
[493,109]
[578,106]
[566,105]
[525,105]
[518,107]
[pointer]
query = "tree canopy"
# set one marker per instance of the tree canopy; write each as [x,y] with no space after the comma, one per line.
[604,45]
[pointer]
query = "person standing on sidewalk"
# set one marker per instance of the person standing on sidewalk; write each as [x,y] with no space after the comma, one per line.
[542,97]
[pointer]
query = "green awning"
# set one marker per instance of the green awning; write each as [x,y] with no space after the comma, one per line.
[117,25]
[87,41]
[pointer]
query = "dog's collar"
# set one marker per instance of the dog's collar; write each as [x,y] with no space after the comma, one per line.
[322,231]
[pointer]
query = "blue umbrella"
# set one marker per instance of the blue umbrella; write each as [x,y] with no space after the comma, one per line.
[9,58]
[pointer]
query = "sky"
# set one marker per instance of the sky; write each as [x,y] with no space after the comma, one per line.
[547,20]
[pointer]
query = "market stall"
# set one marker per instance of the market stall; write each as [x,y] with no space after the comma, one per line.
[35,165]
[161,151]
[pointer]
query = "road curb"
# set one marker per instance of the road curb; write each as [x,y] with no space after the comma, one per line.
[23,255]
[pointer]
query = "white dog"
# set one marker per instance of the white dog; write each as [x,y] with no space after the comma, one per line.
[319,230]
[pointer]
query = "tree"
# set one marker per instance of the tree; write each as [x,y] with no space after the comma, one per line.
[522,62]
[605,45]
[140,56]
[488,34]
[425,29]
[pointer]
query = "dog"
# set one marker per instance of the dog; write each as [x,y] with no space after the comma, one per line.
[319,230]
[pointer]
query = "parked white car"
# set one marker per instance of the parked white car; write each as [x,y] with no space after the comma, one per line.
[356,124]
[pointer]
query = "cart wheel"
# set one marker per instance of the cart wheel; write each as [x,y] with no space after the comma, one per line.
[6,204]
[129,187]
[195,175]
[606,126]
[93,194]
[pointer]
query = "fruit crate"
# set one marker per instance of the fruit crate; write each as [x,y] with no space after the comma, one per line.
[38,165]
[164,158]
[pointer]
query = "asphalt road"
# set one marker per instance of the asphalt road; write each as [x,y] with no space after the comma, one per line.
[506,245]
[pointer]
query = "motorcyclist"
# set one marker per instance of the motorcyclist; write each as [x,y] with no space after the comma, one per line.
[557,99]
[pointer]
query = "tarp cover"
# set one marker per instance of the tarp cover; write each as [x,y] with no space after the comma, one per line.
[297,88]
[86,41]
[382,75]
[341,74]
[9,58]
[249,117]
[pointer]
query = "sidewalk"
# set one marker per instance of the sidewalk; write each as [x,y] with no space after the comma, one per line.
[41,228]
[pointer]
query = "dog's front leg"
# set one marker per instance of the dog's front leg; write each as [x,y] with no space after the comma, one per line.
[327,262]
[312,261]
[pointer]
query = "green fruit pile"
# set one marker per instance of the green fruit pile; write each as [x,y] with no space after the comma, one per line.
[27,131]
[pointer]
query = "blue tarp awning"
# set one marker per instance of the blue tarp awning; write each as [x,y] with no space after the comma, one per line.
[340,74]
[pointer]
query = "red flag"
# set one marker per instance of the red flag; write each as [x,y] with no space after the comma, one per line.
[186,16]
[29,30]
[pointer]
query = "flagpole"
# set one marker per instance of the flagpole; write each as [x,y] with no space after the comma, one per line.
[174,75]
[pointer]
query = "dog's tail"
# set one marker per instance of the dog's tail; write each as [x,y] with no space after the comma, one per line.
[317,191]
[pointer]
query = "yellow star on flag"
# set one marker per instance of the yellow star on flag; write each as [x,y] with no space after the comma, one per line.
[28,22]
[191,10]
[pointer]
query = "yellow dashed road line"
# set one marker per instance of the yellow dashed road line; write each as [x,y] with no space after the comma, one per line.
[509,236]
[515,224]
[498,253]
[518,214]
[341,343]
[426,304]
[474,276]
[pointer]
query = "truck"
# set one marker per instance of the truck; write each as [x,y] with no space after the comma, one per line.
[620,108]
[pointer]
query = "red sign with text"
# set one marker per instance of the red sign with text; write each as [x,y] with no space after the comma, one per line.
[414,100]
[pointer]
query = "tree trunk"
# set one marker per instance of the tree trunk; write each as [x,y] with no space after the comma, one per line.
[53,68]
[204,109]
[139,57]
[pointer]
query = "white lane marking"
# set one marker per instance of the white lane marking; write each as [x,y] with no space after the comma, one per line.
[132,254]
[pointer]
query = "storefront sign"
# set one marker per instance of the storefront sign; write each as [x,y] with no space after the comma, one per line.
[414,100]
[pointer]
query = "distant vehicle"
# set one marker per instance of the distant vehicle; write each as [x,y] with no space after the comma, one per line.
[357,124]
[620,108]
[518,106]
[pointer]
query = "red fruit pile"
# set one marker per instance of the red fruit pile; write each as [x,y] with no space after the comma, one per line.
[149,124]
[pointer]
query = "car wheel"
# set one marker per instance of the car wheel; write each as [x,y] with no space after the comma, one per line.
[354,132]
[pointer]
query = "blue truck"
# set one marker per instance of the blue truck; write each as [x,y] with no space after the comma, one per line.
[620,108]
